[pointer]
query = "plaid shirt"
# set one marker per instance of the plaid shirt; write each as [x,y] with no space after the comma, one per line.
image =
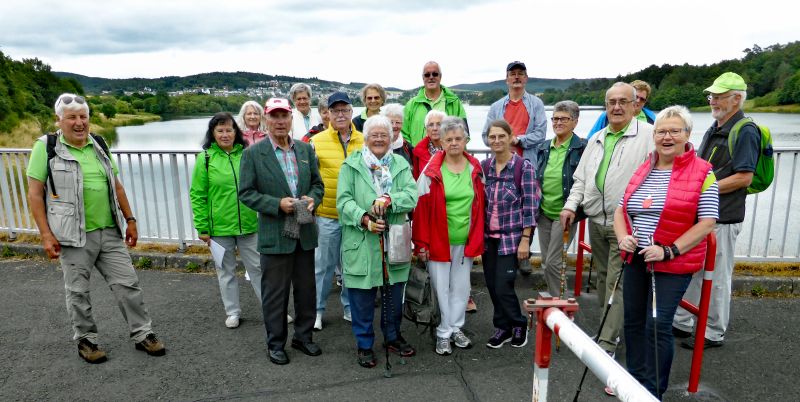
[515,211]
[288,162]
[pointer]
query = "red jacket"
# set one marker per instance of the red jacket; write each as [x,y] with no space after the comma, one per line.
[420,156]
[689,172]
[429,230]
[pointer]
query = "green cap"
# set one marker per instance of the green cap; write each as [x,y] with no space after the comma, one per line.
[727,82]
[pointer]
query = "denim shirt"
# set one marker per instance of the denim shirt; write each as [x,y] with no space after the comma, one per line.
[537,123]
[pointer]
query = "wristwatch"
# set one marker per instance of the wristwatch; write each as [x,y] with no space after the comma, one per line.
[130,219]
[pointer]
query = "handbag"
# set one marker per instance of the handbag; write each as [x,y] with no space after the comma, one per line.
[398,243]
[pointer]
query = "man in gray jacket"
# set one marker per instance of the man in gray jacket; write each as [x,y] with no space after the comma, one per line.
[84,219]
[606,167]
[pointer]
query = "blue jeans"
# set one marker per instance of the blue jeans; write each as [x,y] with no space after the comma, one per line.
[639,342]
[363,309]
[327,257]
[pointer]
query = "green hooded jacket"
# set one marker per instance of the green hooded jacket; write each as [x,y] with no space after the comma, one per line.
[214,194]
[417,108]
[361,256]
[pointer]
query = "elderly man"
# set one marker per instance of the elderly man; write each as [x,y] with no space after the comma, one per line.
[643,92]
[278,177]
[333,146]
[432,96]
[303,117]
[600,179]
[734,170]
[523,112]
[85,229]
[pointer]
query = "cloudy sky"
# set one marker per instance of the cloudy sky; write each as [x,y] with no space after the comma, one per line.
[387,41]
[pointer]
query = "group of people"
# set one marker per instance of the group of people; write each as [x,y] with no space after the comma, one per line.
[310,198]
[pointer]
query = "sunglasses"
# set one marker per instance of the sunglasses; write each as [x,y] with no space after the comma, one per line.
[429,75]
[67,99]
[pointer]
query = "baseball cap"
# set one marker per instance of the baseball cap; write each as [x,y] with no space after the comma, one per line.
[516,64]
[727,82]
[338,97]
[277,104]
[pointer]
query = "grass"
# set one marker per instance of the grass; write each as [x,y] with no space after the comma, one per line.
[26,133]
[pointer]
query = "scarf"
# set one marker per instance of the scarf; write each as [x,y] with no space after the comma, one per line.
[399,142]
[432,148]
[381,176]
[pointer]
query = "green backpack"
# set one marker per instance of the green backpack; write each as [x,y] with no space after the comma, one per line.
[765,167]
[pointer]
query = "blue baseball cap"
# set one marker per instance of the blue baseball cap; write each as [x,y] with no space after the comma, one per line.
[337,97]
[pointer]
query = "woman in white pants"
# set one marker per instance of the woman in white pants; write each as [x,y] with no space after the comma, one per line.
[448,228]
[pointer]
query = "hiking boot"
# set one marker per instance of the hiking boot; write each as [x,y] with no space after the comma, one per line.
[461,340]
[152,346]
[90,352]
[443,346]
[519,337]
[471,306]
[400,347]
[499,338]
[366,358]
[232,321]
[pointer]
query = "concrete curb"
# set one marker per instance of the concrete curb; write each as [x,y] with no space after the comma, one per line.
[203,263]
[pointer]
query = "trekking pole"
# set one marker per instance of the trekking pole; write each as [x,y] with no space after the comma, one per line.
[599,330]
[563,288]
[387,372]
[652,269]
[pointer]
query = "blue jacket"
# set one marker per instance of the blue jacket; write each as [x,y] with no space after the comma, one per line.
[602,121]
[537,124]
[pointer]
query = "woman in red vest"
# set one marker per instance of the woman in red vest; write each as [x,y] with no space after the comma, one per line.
[669,207]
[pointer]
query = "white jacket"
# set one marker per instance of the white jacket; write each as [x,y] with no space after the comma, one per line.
[298,124]
[630,151]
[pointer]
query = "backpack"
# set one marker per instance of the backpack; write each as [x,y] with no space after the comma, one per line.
[421,306]
[51,153]
[765,167]
[517,171]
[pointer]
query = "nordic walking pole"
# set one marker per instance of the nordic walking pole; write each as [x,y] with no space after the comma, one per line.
[563,288]
[387,372]
[652,266]
[599,330]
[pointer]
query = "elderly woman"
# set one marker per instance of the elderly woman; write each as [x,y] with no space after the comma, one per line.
[373,96]
[512,198]
[325,115]
[375,190]
[303,116]
[451,204]
[218,214]
[251,121]
[669,206]
[401,147]
[429,145]
[557,160]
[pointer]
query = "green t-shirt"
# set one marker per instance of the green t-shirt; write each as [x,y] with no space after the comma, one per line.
[438,104]
[608,145]
[458,196]
[95,183]
[641,116]
[552,194]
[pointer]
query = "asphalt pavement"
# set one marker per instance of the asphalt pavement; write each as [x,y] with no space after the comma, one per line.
[207,361]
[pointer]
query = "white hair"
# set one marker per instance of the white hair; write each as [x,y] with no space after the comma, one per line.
[743,98]
[434,113]
[678,111]
[453,123]
[392,109]
[622,84]
[73,105]
[377,121]
[240,117]
[299,87]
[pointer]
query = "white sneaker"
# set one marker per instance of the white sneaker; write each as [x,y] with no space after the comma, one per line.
[232,321]
[347,316]
[461,340]
[443,346]
[289,319]
[318,323]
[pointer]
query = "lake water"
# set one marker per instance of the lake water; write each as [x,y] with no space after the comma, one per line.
[187,134]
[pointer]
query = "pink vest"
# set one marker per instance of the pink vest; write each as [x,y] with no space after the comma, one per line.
[689,172]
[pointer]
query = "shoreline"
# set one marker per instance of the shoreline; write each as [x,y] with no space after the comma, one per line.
[28,130]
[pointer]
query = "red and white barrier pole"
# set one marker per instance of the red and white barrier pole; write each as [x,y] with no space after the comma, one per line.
[701,313]
[554,315]
[582,246]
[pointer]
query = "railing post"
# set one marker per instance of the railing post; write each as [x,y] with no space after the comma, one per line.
[702,314]
[8,206]
[176,192]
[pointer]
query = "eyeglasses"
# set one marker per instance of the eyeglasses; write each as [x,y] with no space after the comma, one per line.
[641,99]
[560,119]
[429,75]
[673,133]
[339,111]
[67,99]
[379,136]
[432,125]
[717,98]
[620,102]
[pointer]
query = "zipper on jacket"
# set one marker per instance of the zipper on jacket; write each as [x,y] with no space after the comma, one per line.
[712,153]
[605,176]
[236,183]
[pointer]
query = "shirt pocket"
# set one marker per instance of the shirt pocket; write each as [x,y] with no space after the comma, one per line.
[508,193]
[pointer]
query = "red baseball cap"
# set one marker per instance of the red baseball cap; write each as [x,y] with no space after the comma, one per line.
[277,104]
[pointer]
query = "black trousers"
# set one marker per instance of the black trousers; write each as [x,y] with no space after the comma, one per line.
[500,272]
[279,273]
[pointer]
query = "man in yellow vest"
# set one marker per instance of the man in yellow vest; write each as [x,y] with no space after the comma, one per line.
[333,146]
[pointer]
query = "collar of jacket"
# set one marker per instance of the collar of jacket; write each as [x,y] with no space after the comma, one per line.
[574,143]
[679,161]
[434,169]
[214,148]
[449,96]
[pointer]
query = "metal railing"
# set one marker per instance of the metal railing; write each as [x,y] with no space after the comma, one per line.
[157,184]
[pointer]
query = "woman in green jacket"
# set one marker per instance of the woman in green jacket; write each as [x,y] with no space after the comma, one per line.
[375,190]
[219,217]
